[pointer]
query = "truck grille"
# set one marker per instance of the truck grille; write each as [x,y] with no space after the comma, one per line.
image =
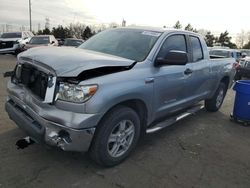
[34,80]
[6,44]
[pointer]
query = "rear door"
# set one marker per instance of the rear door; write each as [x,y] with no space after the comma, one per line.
[199,82]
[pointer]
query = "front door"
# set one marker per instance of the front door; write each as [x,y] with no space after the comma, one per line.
[170,80]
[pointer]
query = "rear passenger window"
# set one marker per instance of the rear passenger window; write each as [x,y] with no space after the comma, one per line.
[196,47]
[174,42]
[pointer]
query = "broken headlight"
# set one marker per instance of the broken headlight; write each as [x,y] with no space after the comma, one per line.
[76,93]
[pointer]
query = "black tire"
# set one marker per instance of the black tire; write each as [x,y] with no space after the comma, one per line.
[101,145]
[18,51]
[214,104]
[237,77]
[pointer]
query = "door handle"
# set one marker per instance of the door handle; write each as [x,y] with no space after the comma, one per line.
[188,71]
[149,80]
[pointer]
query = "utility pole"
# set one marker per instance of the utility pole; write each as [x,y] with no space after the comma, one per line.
[30,14]
[123,23]
[47,23]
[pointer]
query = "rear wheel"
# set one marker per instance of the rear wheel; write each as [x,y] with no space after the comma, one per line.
[216,101]
[116,136]
[237,76]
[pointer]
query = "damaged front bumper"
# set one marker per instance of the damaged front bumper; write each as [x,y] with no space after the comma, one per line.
[44,131]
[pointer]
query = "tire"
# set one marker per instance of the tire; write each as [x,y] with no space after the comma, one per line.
[237,77]
[17,51]
[116,136]
[214,104]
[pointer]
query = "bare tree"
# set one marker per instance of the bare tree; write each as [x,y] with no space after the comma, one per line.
[76,30]
[242,39]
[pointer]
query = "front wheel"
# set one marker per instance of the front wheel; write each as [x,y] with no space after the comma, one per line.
[216,101]
[116,136]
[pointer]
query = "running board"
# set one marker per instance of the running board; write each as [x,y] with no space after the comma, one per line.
[174,119]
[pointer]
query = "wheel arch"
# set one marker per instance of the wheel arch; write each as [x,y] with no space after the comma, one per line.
[138,105]
[225,80]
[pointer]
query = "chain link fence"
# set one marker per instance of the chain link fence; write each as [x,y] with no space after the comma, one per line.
[12,28]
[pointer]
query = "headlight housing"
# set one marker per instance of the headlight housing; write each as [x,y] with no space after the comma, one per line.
[76,93]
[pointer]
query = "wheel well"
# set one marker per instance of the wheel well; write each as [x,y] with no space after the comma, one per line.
[225,80]
[139,107]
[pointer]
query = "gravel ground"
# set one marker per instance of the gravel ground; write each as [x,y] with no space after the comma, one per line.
[205,150]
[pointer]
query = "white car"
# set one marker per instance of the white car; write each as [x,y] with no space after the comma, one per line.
[13,42]
[41,40]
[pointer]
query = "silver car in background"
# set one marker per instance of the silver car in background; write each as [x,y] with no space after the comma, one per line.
[226,53]
[41,40]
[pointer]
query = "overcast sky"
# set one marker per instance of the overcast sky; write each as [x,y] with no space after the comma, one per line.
[214,15]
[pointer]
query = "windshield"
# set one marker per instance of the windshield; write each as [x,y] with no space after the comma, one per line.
[39,40]
[222,53]
[128,43]
[72,42]
[12,35]
[246,51]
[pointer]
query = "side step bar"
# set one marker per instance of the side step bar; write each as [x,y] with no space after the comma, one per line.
[174,119]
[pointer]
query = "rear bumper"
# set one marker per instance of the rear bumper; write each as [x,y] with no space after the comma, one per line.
[45,131]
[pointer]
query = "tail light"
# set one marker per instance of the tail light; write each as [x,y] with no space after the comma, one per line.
[236,65]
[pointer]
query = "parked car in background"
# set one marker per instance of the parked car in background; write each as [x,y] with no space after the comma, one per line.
[60,41]
[246,51]
[225,53]
[41,40]
[13,42]
[73,42]
[243,68]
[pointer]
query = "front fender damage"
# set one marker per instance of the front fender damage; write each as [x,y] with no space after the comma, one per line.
[97,72]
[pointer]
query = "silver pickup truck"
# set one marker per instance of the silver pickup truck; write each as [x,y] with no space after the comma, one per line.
[121,83]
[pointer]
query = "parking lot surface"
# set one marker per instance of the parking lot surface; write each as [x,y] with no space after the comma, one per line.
[205,150]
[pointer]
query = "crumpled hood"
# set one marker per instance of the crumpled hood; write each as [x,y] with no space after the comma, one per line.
[70,62]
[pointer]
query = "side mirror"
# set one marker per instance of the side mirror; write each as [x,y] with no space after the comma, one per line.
[27,42]
[173,57]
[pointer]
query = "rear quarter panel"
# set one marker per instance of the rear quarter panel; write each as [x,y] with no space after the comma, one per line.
[220,68]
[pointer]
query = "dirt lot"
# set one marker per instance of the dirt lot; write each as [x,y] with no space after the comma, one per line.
[205,150]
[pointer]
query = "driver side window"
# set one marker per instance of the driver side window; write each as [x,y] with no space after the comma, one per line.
[174,42]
